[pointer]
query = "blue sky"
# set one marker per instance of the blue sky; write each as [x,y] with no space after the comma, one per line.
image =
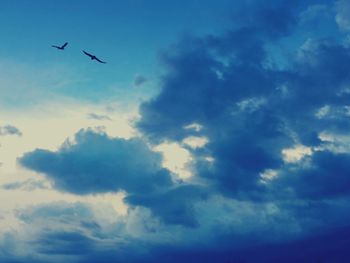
[128,34]
[218,131]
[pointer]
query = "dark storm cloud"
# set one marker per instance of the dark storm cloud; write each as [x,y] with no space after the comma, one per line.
[249,111]
[314,249]
[96,163]
[207,76]
[324,176]
[311,249]
[199,88]
[64,243]
[173,206]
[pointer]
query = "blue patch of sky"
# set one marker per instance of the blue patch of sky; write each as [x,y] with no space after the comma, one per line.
[126,34]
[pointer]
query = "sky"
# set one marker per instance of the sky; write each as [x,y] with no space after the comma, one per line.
[217,131]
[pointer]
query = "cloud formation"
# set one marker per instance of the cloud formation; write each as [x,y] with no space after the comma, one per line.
[272,175]
[250,111]
[9,130]
[95,163]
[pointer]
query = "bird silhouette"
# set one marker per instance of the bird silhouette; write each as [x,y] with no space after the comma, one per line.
[93,57]
[61,47]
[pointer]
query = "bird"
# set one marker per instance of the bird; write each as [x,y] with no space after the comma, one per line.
[93,57]
[61,47]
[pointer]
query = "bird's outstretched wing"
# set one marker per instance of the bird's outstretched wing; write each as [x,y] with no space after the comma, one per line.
[55,46]
[88,54]
[64,45]
[101,61]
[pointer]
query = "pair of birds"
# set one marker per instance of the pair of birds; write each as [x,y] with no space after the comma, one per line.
[93,57]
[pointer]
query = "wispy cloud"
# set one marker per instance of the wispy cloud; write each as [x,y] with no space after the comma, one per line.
[99,117]
[9,130]
[139,80]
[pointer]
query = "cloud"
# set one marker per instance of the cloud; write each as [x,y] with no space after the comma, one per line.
[95,163]
[324,176]
[139,80]
[249,113]
[64,243]
[179,204]
[99,117]
[312,12]
[248,119]
[28,185]
[9,130]
[257,117]
[77,232]
[62,231]
[263,181]
[343,12]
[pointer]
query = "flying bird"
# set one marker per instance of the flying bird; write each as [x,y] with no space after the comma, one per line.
[94,57]
[61,47]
